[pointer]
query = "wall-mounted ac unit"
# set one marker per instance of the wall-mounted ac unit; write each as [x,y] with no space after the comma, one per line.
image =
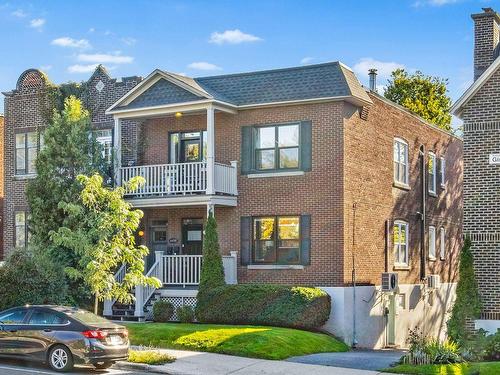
[433,281]
[389,281]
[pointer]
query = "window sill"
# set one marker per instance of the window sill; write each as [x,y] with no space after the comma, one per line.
[431,259]
[443,259]
[432,194]
[24,176]
[401,267]
[399,185]
[276,174]
[275,267]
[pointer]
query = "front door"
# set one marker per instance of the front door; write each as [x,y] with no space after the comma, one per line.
[158,240]
[192,236]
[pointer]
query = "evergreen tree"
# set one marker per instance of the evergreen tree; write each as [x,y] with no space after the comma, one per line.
[212,270]
[468,302]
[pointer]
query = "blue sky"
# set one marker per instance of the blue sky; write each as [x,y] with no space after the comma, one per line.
[67,39]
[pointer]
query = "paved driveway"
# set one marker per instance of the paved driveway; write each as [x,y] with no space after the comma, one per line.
[356,359]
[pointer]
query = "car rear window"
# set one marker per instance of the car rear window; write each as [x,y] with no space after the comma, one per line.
[87,317]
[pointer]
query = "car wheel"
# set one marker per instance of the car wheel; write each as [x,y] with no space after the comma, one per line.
[103,365]
[60,358]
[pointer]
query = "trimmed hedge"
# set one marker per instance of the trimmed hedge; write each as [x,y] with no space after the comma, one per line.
[264,304]
[162,311]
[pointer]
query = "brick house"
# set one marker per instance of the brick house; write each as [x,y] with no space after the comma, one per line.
[1,183]
[479,109]
[309,175]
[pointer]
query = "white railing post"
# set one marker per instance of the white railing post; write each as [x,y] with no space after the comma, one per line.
[234,177]
[210,150]
[230,268]
[117,143]
[108,307]
[139,301]
[159,260]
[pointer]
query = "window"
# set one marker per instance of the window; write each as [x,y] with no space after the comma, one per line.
[13,316]
[46,318]
[188,147]
[432,173]
[277,147]
[276,240]
[400,161]
[21,229]
[26,151]
[442,171]
[105,139]
[400,240]
[432,243]
[442,243]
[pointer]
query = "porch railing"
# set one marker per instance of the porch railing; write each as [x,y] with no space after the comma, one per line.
[181,269]
[180,178]
[119,276]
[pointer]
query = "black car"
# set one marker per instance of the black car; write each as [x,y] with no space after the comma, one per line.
[61,336]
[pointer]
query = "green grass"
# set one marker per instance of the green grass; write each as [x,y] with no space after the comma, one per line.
[245,341]
[150,357]
[479,368]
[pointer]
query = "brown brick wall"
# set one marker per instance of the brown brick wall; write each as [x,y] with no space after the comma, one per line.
[486,38]
[2,194]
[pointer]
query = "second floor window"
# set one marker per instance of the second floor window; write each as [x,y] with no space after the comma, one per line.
[105,139]
[442,243]
[400,241]
[276,240]
[277,147]
[431,175]
[400,161]
[26,151]
[442,171]
[432,243]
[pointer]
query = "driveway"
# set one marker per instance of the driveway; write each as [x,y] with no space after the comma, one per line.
[356,359]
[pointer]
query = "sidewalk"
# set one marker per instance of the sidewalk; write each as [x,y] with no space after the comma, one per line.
[200,363]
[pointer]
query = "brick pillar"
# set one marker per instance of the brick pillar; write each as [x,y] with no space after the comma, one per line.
[486,38]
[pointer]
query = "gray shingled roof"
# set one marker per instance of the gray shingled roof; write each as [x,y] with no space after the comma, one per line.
[299,83]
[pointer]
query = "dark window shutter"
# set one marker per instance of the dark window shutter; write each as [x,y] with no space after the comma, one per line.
[246,149]
[306,145]
[305,239]
[246,240]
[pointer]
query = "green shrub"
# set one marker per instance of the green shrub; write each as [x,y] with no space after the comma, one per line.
[185,314]
[482,347]
[150,357]
[212,270]
[29,279]
[162,311]
[265,304]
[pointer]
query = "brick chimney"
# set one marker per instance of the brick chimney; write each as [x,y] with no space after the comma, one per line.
[486,38]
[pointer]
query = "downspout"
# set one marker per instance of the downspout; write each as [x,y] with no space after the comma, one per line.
[387,245]
[354,334]
[422,213]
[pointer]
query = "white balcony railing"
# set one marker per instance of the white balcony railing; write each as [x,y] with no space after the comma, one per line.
[180,178]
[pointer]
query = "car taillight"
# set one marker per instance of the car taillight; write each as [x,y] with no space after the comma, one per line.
[100,335]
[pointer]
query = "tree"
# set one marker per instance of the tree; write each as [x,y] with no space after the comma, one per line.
[468,302]
[212,270]
[423,95]
[102,234]
[69,150]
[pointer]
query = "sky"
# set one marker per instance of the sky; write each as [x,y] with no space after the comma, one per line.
[67,39]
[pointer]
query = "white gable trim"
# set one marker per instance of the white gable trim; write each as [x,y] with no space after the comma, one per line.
[457,107]
[149,81]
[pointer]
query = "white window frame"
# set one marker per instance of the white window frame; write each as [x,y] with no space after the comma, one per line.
[432,242]
[21,229]
[397,246]
[398,164]
[432,173]
[442,243]
[442,171]
[105,138]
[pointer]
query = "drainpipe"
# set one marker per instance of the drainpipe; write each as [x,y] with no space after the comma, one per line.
[387,245]
[422,213]
[354,338]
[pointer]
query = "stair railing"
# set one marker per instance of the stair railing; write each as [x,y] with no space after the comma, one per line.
[144,292]
[108,304]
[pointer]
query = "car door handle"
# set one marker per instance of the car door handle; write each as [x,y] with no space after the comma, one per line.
[13,330]
[47,330]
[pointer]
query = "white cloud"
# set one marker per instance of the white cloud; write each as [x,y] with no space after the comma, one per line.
[306,60]
[202,65]
[71,43]
[37,23]
[45,68]
[91,30]
[129,41]
[384,68]
[232,37]
[434,3]
[104,58]
[19,13]
[82,68]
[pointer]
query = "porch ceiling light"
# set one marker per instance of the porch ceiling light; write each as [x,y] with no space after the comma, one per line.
[178,114]
[141,233]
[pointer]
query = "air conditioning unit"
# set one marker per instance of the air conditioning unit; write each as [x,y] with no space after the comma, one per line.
[433,281]
[389,281]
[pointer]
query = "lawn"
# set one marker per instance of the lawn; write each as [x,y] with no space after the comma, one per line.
[480,368]
[245,341]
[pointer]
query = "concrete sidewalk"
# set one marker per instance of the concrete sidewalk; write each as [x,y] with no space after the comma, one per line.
[200,363]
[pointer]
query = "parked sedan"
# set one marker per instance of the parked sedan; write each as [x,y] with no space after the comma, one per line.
[61,336]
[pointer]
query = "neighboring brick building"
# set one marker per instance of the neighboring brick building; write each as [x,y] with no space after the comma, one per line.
[1,183]
[479,108]
[300,169]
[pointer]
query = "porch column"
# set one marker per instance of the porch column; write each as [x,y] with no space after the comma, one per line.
[117,155]
[210,209]
[210,151]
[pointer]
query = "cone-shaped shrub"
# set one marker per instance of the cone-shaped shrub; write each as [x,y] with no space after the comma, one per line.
[212,270]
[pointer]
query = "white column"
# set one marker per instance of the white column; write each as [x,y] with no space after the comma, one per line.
[210,151]
[117,143]
[210,209]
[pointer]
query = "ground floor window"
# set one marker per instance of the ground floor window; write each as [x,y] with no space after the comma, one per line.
[20,229]
[400,242]
[276,239]
[432,243]
[442,243]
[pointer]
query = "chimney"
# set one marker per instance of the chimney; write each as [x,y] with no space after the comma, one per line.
[372,73]
[486,38]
